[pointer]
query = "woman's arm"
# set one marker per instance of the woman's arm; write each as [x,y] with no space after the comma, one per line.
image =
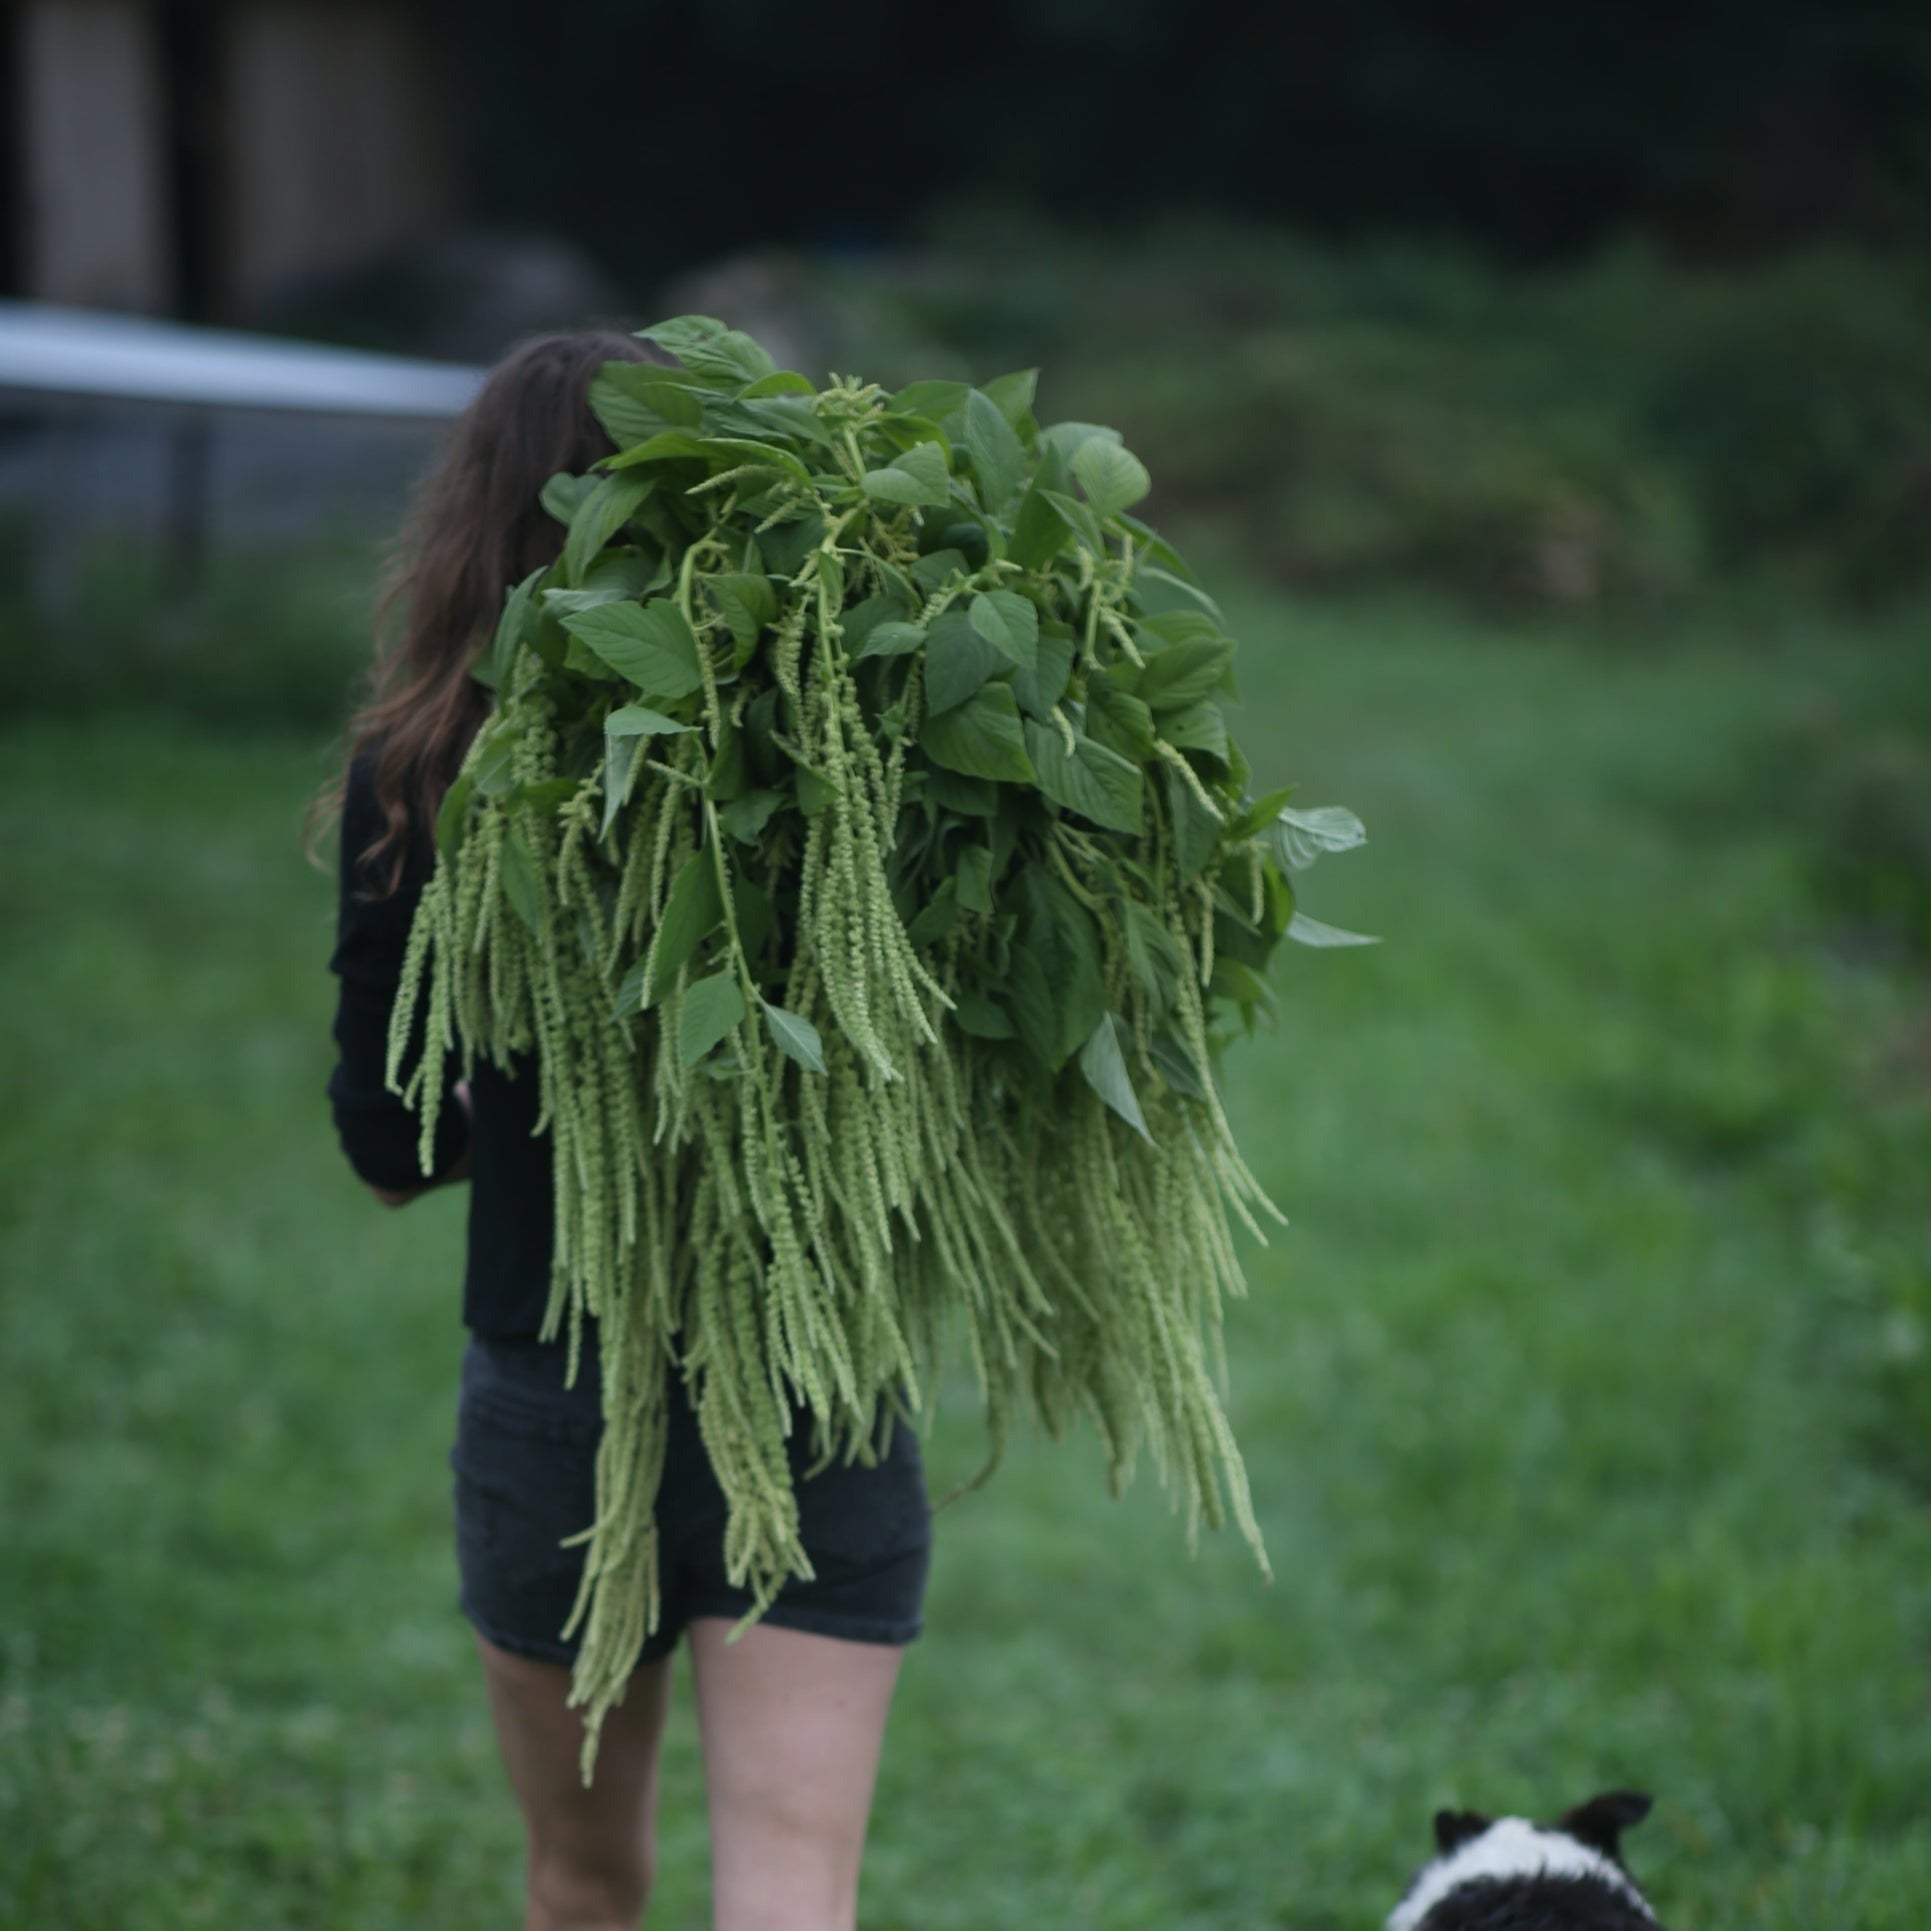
[393,1197]
[379,1135]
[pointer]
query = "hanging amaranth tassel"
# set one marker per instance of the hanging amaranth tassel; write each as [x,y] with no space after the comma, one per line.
[857,840]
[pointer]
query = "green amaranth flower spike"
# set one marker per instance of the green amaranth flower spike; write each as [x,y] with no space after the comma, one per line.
[857,841]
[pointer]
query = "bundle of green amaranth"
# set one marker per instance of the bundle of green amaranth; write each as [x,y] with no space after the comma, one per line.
[857,839]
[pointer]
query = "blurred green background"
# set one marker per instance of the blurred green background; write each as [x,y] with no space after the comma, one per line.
[1557,431]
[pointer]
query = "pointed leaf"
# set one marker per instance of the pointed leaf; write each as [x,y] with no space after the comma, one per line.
[974,877]
[711,1010]
[640,721]
[1306,931]
[997,458]
[1009,623]
[601,514]
[1104,1066]
[958,660]
[1096,782]
[892,639]
[649,643]
[797,1037]
[1113,478]
[692,909]
[980,737]
[919,476]
[619,768]
[519,878]
[1176,1066]
[1300,837]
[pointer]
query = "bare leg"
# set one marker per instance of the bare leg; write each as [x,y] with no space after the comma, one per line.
[792,1725]
[591,1853]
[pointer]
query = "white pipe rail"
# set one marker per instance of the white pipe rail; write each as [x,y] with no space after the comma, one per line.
[85,355]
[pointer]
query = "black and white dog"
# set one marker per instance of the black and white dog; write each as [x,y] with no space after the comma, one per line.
[1507,1874]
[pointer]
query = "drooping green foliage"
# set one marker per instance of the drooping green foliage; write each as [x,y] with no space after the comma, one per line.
[857,840]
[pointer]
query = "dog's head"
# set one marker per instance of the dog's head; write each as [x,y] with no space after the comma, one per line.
[1583,1845]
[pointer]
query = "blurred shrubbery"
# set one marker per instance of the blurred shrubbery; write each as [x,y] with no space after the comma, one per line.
[275,637]
[1621,431]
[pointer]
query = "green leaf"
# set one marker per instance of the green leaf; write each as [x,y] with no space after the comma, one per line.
[692,909]
[619,768]
[1243,985]
[858,623]
[1183,674]
[781,382]
[1113,478]
[755,916]
[1090,779]
[667,446]
[1078,518]
[1009,623]
[1012,394]
[1037,690]
[601,514]
[936,567]
[1178,593]
[1196,832]
[938,915]
[1066,439]
[1104,1066]
[892,639]
[1176,1066]
[740,452]
[707,348]
[1156,956]
[1039,532]
[1119,720]
[971,797]
[745,818]
[625,419]
[563,494]
[797,1037]
[998,460]
[980,737]
[1300,837]
[975,1014]
[974,876]
[747,603]
[919,476]
[1200,727]
[640,721]
[493,669]
[1061,935]
[711,1010]
[1034,1014]
[933,400]
[1306,931]
[959,658]
[648,643]
[452,817]
[519,878]
[491,773]
[1260,815]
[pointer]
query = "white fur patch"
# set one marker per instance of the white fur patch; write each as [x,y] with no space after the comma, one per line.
[1511,1847]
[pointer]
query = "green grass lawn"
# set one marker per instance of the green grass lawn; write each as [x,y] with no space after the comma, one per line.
[1557,1395]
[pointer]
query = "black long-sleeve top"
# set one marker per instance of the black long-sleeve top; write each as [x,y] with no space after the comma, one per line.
[507,1272]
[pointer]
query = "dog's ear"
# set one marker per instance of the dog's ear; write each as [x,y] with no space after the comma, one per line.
[1454,1828]
[1601,1822]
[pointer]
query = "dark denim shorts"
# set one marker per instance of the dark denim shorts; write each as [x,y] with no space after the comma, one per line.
[525,1468]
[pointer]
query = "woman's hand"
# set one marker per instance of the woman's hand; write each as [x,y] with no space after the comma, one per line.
[401,1196]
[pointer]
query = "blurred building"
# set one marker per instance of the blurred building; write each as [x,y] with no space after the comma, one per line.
[209,160]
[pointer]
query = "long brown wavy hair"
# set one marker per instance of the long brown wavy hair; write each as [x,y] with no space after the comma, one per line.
[475,527]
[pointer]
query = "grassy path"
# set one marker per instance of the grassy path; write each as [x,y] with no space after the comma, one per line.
[1558,1447]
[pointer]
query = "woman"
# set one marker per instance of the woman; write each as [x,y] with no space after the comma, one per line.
[792,1714]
